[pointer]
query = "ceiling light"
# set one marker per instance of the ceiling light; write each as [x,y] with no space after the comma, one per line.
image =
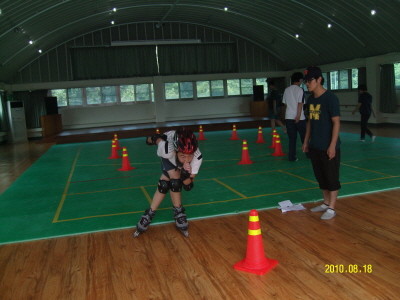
[329,25]
[1,11]
[114,9]
[226,8]
[373,12]
[297,36]
[112,22]
[30,42]
[40,50]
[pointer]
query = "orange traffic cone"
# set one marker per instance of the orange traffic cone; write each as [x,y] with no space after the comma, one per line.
[278,147]
[273,132]
[273,141]
[116,141]
[260,138]
[114,150]
[157,131]
[234,133]
[126,166]
[201,134]
[255,262]
[245,155]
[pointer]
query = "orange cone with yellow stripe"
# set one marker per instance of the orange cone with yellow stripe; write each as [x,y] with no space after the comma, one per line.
[234,133]
[255,262]
[126,166]
[278,147]
[245,155]
[116,141]
[114,150]
[201,134]
[273,141]
[157,131]
[273,132]
[260,138]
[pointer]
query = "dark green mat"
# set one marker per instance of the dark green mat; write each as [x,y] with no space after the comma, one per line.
[75,188]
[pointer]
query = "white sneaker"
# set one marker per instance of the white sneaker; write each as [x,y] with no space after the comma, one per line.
[373,138]
[322,207]
[329,214]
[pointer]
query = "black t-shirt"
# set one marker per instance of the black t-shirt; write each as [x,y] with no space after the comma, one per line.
[366,100]
[273,95]
[320,112]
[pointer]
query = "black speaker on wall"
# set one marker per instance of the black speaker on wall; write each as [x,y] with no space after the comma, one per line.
[51,105]
[258,93]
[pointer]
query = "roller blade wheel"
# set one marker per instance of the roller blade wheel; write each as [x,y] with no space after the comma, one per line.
[185,233]
[136,234]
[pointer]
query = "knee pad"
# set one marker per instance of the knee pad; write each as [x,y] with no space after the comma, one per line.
[188,187]
[163,186]
[176,185]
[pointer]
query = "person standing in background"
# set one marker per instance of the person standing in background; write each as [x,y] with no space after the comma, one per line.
[365,107]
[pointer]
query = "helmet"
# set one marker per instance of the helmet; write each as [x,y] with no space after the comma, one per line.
[185,141]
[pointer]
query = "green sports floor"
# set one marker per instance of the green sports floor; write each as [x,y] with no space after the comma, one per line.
[75,188]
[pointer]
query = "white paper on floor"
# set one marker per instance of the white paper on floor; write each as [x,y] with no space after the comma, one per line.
[287,205]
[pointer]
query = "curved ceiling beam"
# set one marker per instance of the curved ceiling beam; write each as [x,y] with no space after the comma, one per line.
[159,24]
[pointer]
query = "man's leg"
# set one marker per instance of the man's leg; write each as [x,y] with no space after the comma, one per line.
[292,135]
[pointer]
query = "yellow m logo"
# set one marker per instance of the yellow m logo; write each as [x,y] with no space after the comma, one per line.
[314,111]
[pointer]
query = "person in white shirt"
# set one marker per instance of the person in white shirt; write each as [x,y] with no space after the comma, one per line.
[180,161]
[295,120]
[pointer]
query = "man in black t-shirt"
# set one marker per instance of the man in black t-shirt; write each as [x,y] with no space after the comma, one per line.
[365,108]
[322,139]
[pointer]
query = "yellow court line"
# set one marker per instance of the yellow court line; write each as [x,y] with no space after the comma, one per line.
[229,188]
[366,170]
[297,176]
[146,194]
[55,219]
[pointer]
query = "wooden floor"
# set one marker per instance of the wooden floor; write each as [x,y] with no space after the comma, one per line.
[162,264]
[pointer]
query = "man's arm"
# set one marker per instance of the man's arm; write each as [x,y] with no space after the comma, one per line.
[335,135]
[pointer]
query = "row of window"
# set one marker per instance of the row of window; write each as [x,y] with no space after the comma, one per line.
[205,89]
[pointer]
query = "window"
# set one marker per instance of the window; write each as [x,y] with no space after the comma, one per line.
[108,94]
[127,93]
[397,75]
[334,79]
[203,89]
[261,81]
[143,92]
[354,78]
[217,88]
[233,86]
[186,90]
[74,96]
[93,95]
[61,95]
[343,79]
[171,90]
[246,86]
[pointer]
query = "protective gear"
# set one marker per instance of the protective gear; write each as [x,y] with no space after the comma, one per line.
[184,174]
[188,187]
[176,185]
[185,141]
[154,138]
[163,186]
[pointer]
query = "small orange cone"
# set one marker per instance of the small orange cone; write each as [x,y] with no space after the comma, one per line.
[245,155]
[273,141]
[278,147]
[114,151]
[201,134]
[157,131]
[234,133]
[260,138]
[116,141]
[126,166]
[273,132]
[255,262]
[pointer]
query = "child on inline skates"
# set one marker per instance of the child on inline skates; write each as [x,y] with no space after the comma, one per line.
[180,162]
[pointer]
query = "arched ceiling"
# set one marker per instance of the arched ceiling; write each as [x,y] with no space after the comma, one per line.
[270,24]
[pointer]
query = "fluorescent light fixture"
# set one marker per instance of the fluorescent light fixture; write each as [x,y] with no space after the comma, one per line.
[155,42]
[373,12]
